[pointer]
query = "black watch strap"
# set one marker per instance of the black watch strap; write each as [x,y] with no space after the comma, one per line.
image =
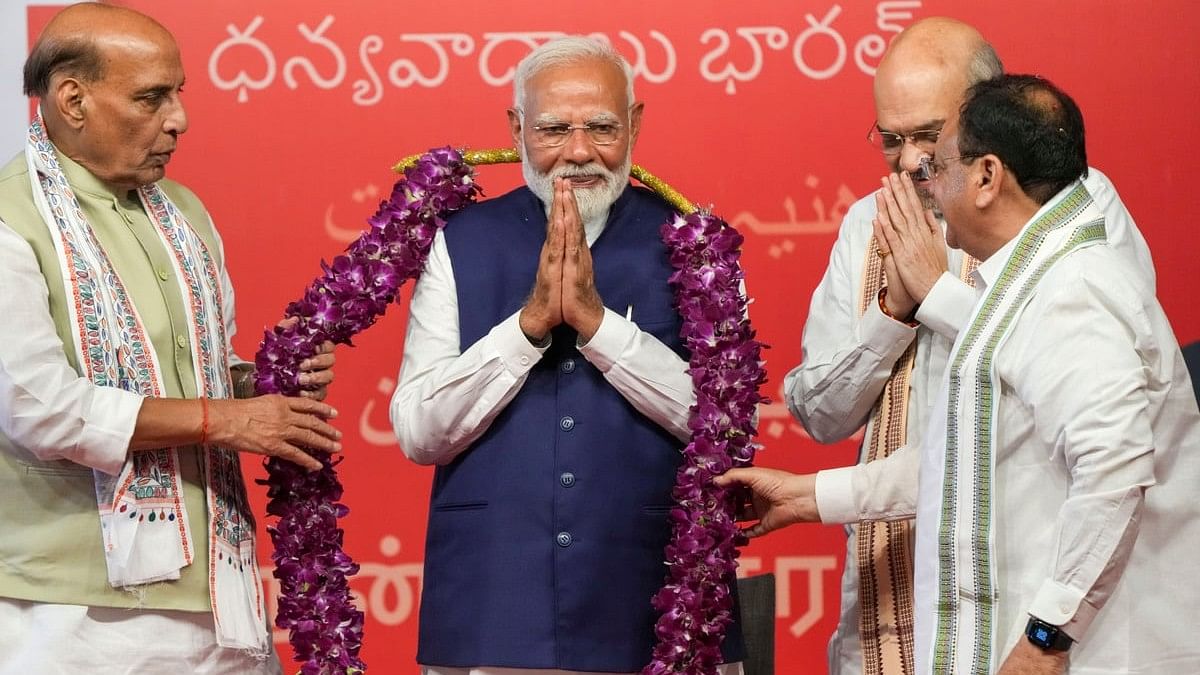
[1047,636]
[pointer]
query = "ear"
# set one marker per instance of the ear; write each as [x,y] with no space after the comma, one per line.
[988,179]
[67,98]
[514,128]
[635,122]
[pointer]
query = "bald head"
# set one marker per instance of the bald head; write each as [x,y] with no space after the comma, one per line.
[937,51]
[109,82]
[922,79]
[79,41]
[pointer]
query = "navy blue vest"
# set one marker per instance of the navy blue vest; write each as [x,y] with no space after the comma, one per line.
[546,537]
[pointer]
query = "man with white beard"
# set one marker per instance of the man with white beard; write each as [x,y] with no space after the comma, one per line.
[544,375]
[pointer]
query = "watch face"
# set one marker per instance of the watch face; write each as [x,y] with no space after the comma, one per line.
[1046,636]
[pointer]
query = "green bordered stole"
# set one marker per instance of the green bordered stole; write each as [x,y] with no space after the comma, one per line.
[967,582]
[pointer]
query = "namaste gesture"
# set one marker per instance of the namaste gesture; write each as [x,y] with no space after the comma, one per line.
[909,238]
[565,289]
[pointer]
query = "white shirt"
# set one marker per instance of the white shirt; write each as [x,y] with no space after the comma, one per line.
[846,361]
[1097,461]
[46,408]
[445,399]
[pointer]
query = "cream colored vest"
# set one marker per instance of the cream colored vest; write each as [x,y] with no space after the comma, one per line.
[50,547]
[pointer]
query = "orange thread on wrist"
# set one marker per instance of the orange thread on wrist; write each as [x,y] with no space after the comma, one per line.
[203,421]
[888,313]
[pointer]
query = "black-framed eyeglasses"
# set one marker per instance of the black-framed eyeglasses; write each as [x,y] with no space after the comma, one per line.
[929,168]
[891,143]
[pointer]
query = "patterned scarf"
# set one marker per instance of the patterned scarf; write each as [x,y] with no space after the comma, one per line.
[142,515]
[967,590]
[884,550]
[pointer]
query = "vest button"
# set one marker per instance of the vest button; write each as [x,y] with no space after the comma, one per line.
[163,274]
[567,423]
[563,539]
[568,366]
[567,479]
[181,340]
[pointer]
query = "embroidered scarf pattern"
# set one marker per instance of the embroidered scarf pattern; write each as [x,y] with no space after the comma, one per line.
[143,518]
[965,622]
[884,550]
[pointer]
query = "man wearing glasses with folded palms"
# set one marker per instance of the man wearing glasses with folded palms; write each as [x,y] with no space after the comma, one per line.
[543,375]
[884,317]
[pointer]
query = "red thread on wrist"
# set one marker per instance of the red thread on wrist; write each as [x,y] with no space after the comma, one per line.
[203,421]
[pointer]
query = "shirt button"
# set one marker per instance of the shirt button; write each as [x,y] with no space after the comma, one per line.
[567,423]
[567,479]
[568,366]
[563,539]
[524,360]
[181,341]
[162,273]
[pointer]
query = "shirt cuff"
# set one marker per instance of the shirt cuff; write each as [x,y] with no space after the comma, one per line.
[1064,607]
[947,306]
[104,441]
[835,495]
[611,340]
[884,335]
[516,351]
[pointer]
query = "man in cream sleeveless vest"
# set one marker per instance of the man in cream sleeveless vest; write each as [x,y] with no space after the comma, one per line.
[119,432]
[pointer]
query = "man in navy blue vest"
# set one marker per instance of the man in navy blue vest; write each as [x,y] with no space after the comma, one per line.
[544,375]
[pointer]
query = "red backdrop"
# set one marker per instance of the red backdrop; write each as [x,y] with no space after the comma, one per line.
[298,108]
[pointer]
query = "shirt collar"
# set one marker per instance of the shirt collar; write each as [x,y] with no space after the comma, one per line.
[82,180]
[989,270]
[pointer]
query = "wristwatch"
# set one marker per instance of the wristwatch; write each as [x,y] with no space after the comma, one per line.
[1047,636]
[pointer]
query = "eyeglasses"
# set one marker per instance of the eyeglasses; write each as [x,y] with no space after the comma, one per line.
[890,143]
[555,135]
[928,168]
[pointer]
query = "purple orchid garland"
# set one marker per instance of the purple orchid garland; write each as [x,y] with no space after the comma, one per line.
[324,627]
[727,369]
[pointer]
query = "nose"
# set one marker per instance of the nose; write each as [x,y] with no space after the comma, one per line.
[579,148]
[176,121]
[910,157]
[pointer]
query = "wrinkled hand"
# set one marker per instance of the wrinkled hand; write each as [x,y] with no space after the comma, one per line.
[582,308]
[1028,659]
[274,426]
[777,499]
[543,310]
[316,372]
[912,238]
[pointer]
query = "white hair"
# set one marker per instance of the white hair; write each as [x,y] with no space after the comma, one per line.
[568,50]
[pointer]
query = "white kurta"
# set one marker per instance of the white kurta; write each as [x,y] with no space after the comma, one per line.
[846,361]
[1097,459]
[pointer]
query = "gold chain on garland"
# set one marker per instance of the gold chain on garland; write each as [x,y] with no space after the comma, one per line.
[510,156]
